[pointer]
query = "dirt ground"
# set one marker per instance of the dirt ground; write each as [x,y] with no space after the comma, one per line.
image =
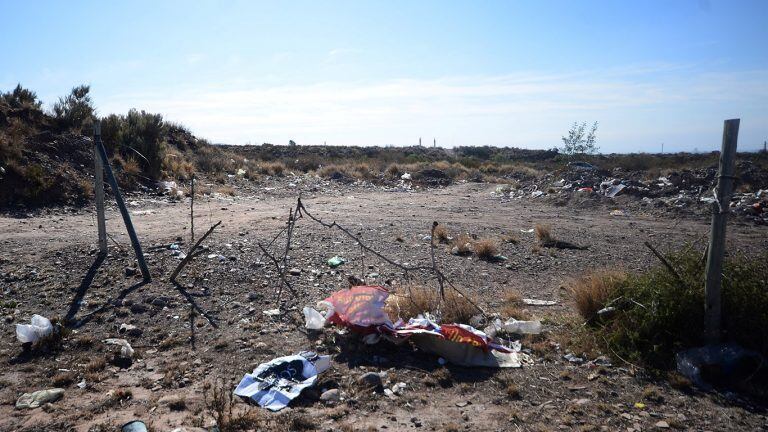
[49,266]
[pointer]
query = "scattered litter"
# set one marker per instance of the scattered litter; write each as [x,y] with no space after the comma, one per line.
[614,190]
[527,231]
[126,351]
[39,398]
[39,328]
[639,405]
[272,312]
[134,426]
[275,384]
[406,176]
[82,384]
[361,309]
[606,312]
[240,172]
[730,360]
[514,326]
[573,358]
[336,261]
[315,320]
[618,212]
[535,302]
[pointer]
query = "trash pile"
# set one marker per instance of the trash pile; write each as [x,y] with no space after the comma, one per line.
[361,309]
[686,189]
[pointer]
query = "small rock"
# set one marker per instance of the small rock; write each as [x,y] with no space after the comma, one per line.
[332,395]
[370,379]
[131,271]
[662,424]
[130,330]
[160,302]
[294,271]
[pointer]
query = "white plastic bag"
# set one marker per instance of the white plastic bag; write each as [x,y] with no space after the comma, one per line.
[314,320]
[40,328]
[513,326]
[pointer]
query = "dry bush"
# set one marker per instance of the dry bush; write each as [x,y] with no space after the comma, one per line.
[441,234]
[543,234]
[592,291]
[63,379]
[417,300]
[510,238]
[511,305]
[226,190]
[219,403]
[96,365]
[486,249]
[272,168]
[462,244]
[393,171]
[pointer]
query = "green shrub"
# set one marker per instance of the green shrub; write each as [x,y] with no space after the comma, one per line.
[657,315]
[20,97]
[75,111]
[139,135]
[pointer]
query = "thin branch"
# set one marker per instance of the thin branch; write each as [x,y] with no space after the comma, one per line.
[191,254]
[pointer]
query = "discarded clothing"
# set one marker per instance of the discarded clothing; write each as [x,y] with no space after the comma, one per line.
[275,384]
[335,261]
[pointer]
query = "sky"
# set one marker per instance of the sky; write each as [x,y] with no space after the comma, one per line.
[500,73]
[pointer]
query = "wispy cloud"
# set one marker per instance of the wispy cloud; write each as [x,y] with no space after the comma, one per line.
[526,109]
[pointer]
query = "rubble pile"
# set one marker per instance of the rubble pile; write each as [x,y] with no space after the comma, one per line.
[688,189]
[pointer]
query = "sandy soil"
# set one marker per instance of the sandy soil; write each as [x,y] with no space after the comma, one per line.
[44,260]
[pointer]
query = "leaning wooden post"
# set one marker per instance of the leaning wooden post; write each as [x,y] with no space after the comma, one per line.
[123,210]
[98,179]
[716,252]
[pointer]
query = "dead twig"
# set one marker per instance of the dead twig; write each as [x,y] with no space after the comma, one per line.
[190,253]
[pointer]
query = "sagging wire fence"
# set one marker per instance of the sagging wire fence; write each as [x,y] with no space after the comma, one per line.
[280,259]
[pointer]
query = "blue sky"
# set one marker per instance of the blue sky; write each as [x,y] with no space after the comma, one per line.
[505,73]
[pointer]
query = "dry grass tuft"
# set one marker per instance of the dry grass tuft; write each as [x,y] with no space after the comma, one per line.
[592,291]
[510,238]
[226,190]
[511,305]
[441,234]
[543,234]
[462,244]
[420,299]
[513,391]
[96,365]
[486,249]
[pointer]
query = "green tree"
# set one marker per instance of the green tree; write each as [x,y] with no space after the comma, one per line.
[579,141]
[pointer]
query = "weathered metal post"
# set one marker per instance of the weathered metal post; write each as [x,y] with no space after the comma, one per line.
[98,179]
[123,210]
[192,209]
[716,251]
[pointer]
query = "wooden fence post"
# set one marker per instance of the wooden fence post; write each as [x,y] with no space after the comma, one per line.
[98,179]
[716,252]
